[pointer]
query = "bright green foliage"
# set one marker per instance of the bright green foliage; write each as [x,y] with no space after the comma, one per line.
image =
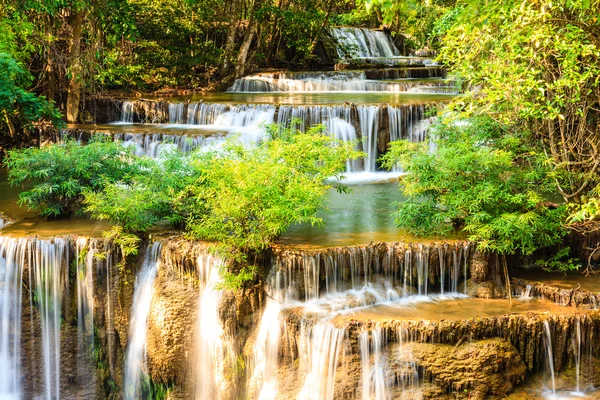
[18,106]
[242,198]
[536,64]
[560,262]
[55,177]
[415,19]
[151,196]
[482,180]
[234,281]
[247,197]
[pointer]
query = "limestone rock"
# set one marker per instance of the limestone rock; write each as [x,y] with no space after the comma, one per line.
[473,370]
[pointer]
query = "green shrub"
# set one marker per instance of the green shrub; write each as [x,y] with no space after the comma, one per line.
[482,180]
[55,177]
[241,198]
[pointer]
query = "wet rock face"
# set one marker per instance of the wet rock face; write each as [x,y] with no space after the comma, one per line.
[474,370]
[479,267]
[483,290]
[173,315]
[305,274]
[567,297]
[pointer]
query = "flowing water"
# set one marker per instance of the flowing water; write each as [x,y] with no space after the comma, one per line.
[135,380]
[49,285]
[363,43]
[340,312]
[343,81]
[12,259]
[85,251]
[320,348]
[550,355]
[212,345]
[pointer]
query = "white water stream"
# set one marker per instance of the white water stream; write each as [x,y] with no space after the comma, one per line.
[12,258]
[135,359]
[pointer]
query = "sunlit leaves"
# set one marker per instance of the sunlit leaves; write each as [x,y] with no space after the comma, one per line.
[481,181]
[55,178]
[242,198]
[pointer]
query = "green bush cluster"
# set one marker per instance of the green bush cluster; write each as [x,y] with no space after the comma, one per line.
[242,198]
[56,178]
[483,180]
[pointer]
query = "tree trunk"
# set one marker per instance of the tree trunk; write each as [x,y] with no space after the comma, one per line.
[75,68]
[50,73]
[240,67]
[317,35]
[230,43]
[50,67]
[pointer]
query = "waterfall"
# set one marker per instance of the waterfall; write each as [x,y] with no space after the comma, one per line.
[407,272]
[423,269]
[307,275]
[368,117]
[313,115]
[405,123]
[266,352]
[176,113]
[409,376]
[374,384]
[456,264]
[345,132]
[46,267]
[84,258]
[363,43]
[12,259]
[311,270]
[127,112]
[341,81]
[527,293]
[405,73]
[246,121]
[465,250]
[549,353]
[321,346]
[155,145]
[213,350]
[135,358]
[577,353]
[204,113]
[441,251]
[143,111]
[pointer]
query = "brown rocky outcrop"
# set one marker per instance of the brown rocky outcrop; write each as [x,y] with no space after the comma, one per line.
[474,370]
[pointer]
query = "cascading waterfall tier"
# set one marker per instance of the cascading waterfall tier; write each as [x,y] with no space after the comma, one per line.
[375,125]
[363,43]
[323,283]
[352,322]
[394,358]
[331,316]
[401,267]
[575,297]
[340,81]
